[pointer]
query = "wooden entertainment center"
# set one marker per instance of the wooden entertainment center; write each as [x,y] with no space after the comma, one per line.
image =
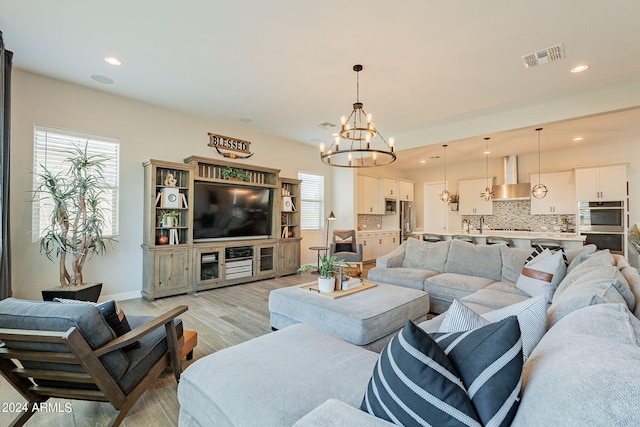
[176,263]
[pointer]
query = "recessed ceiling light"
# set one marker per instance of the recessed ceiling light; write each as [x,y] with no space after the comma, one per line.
[102,79]
[579,68]
[423,161]
[578,138]
[486,152]
[112,60]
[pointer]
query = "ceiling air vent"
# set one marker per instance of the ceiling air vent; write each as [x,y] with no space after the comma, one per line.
[325,125]
[550,54]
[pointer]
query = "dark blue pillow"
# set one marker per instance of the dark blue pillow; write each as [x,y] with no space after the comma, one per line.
[344,247]
[449,379]
[489,360]
[414,383]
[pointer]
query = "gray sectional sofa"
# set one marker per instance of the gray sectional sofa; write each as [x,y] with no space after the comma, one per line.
[585,369]
[454,269]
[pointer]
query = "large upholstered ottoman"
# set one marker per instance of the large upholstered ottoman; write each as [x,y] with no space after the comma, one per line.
[368,318]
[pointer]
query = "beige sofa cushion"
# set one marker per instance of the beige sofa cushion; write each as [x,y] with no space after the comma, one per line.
[474,260]
[426,256]
[584,372]
[584,294]
[598,267]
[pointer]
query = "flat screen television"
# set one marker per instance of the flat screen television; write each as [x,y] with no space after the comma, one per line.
[228,212]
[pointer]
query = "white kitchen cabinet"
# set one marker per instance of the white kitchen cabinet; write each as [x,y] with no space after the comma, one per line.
[470,201]
[378,243]
[370,192]
[602,183]
[406,191]
[390,187]
[560,198]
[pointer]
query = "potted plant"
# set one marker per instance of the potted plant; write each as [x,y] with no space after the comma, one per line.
[74,232]
[326,278]
[454,199]
[634,237]
[236,174]
[168,219]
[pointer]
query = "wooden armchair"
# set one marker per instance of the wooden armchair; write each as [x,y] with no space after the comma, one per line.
[44,361]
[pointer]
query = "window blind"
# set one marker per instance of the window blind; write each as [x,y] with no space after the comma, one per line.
[312,201]
[51,147]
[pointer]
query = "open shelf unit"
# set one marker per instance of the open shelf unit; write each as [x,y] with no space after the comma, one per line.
[185,266]
[290,233]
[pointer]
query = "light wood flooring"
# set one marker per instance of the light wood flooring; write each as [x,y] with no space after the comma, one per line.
[222,317]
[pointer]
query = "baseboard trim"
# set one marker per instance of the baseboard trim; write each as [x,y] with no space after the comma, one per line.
[121,296]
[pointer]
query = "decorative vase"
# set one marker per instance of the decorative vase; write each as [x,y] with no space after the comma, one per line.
[326,285]
[454,206]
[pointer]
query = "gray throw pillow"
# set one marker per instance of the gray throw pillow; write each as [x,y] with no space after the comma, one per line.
[598,267]
[582,295]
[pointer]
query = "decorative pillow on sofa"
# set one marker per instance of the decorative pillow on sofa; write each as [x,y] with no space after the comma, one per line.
[467,378]
[112,314]
[531,314]
[542,274]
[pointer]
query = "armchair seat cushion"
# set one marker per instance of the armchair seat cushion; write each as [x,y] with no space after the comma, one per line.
[53,316]
[141,359]
[348,256]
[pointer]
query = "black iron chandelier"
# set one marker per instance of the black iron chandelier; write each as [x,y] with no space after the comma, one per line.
[361,137]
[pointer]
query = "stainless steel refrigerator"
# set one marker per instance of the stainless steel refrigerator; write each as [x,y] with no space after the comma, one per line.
[407,219]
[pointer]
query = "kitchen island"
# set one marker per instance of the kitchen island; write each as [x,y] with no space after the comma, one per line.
[520,239]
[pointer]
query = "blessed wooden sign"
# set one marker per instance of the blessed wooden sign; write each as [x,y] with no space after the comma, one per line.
[221,142]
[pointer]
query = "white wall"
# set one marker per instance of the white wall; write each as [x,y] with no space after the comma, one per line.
[145,131]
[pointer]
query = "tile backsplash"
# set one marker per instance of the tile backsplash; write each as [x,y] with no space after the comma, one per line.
[369,222]
[516,214]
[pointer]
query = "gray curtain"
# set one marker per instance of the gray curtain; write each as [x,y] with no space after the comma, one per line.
[5,121]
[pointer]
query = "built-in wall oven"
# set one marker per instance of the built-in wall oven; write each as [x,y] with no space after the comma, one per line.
[603,224]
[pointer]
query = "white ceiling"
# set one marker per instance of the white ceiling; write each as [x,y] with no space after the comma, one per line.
[435,71]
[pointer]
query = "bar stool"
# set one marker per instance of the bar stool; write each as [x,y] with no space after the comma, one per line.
[546,243]
[432,238]
[498,240]
[463,237]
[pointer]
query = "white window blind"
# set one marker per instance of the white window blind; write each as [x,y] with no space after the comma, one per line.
[51,147]
[312,201]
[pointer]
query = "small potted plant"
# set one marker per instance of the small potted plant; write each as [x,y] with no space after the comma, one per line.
[326,278]
[235,174]
[454,199]
[168,219]
[634,237]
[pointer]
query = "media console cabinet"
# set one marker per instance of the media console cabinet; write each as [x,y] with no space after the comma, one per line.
[175,263]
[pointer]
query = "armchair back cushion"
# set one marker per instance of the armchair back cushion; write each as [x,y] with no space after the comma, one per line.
[53,316]
[345,241]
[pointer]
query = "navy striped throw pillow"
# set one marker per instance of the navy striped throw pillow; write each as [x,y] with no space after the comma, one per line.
[448,379]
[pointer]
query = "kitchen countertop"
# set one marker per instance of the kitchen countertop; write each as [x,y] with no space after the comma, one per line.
[521,239]
[508,234]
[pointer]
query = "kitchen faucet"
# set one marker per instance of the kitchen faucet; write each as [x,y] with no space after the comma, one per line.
[481,222]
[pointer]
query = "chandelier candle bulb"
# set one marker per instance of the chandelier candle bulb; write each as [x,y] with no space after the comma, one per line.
[322,148]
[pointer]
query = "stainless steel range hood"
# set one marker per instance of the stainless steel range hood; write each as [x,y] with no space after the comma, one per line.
[511,189]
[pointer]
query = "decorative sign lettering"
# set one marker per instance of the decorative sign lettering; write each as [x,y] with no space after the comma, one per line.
[221,142]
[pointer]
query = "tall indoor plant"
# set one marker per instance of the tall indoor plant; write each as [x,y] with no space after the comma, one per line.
[74,232]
